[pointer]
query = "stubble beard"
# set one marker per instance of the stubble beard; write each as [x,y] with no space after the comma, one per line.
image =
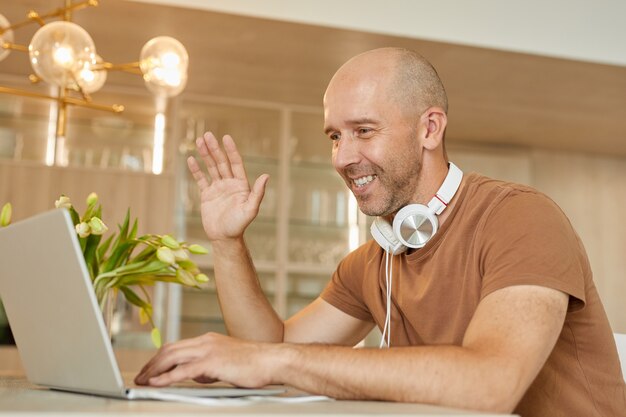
[396,193]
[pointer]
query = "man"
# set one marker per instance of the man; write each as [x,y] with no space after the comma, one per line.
[497,311]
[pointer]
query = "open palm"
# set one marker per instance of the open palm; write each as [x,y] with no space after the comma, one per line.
[228,204]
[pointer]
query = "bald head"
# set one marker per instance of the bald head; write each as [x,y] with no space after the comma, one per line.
[407,77]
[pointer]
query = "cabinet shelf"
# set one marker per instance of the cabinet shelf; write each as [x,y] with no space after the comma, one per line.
[195,220]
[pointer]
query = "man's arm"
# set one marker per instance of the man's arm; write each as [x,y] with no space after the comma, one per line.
[507,342]
[228,206]
[320,322]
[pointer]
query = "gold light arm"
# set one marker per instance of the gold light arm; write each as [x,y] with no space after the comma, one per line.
[14,47]
[60,12]
[131,67]
[25,93]
[115,108]
[33,16]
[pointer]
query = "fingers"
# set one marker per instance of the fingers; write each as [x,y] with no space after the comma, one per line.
[258,191]
[186,371]
[236,163]
[205,154]
[195,170]
[217,162]
[220,164]
[168,358]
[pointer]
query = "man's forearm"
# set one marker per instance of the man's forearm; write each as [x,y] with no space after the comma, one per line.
[445,375]
[246,310]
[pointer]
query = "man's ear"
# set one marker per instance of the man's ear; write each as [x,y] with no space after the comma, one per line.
[435,121]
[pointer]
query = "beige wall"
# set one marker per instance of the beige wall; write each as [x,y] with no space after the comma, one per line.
[32,188]
[591,190]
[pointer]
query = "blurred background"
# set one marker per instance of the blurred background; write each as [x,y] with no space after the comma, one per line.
[537,95]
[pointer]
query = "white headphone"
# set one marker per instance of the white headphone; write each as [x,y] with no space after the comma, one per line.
[416,224]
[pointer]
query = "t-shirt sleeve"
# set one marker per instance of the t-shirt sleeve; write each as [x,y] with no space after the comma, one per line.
[345,289]
[530,241]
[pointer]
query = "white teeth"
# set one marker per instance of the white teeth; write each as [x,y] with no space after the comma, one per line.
[360,182]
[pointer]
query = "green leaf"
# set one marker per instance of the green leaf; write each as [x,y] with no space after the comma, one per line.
[119,256]
[131,277]
[104,247]
[148,266]
[132,297]
[187,264]
[89,252]
[74,215]
[83,243]
[129,268]
[124,227]
[121,237]
[147,279]
[156,337]
[146,253]
[134,268]
[133,232]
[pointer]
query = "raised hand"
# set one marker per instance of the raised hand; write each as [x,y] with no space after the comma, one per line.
[228,203]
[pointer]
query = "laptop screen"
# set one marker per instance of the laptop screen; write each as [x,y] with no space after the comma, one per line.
[52,309]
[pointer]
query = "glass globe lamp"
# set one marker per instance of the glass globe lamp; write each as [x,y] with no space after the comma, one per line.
[59,50]
[88,79]
[5,37]
[164,62]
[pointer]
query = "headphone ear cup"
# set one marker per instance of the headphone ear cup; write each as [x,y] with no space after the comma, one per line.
[414,225]
[382,232]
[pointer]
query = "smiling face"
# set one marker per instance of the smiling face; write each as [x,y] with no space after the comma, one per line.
[377,145]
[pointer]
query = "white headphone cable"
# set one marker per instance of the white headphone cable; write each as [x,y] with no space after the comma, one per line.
[388,285]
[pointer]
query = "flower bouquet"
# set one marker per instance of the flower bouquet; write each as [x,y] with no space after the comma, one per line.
[126,263]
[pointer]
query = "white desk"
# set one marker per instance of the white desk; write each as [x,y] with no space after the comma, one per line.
[19,396]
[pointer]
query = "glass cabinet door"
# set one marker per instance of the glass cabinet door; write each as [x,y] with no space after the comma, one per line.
[256,133]
[319,218]
[318,231]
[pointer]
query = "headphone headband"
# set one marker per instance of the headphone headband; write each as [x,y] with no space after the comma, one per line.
[447,190]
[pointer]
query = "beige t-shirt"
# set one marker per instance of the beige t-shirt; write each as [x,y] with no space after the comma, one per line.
[497,235]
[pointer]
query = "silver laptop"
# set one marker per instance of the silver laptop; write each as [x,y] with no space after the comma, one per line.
[54,315]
